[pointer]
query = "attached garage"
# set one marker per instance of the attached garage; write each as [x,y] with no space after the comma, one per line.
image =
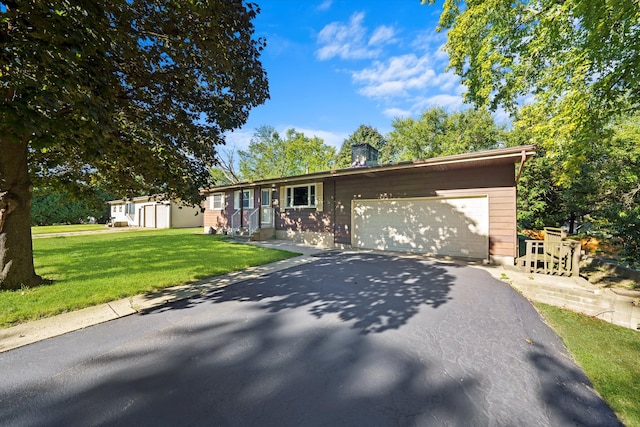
[462,206]
[449,226]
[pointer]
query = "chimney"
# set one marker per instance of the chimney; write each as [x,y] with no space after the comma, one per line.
[363,155]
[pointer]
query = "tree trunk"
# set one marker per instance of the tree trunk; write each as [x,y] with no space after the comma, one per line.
[572,221]
[16,250]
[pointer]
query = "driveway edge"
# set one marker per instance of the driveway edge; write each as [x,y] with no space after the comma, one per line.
[39,330]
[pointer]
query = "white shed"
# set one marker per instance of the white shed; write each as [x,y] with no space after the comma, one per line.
[154,212]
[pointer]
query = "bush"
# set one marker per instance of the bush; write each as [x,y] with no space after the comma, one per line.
[49,207]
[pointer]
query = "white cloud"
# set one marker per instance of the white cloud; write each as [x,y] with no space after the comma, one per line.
[396,112]
[446,101]
[238,139]
[348,41]
[330,138]
[325,5]
[403,76]
[502,117]
[382,35]
[429,40]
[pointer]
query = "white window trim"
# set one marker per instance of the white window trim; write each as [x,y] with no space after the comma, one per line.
[130,209]
[236,198]
[288,196]
[212,203]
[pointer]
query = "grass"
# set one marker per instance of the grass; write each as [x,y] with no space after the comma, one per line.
[608,354]
[46,229]
[92,269]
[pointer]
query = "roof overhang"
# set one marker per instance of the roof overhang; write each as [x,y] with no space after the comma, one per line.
[154,198]
[485,158]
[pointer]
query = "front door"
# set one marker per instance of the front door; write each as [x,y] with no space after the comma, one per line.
[265,207]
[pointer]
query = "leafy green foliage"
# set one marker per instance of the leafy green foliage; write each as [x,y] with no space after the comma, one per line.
[605,190]
[271,156]
[620,187]
[578,59]
[133,96]
[129,96]
[438,133]
[363,135]
[51,207]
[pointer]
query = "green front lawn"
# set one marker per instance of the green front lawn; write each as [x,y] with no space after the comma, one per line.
[47,229]
[93,269]
[608,354]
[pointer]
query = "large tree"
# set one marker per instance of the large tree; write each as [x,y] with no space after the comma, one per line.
[271,156]
[131,95]
[364,134]
[438,133]
[578,59]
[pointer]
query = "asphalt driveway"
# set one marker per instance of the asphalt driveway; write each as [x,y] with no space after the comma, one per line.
[351,339]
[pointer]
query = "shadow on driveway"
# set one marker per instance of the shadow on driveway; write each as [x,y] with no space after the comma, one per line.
[375,292]
[350,339]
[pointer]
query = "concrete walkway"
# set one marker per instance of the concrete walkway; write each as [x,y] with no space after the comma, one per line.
[568,292]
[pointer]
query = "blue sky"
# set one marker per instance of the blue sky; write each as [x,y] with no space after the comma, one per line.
[333,65]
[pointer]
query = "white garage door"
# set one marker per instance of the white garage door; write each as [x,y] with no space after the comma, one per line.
[162,216]
[456,227]
[150,216]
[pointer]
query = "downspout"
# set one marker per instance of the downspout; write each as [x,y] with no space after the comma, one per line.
[333,220]
[523,159]
[520,169]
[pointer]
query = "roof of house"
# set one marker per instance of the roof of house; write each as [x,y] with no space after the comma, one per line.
[157,198]
[458,161]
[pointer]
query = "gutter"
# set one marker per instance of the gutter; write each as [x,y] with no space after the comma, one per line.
[523,152]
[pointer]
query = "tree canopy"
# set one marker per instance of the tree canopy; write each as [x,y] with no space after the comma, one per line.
[132,95]
[438,133]
[363,135]
[271,156]
[579,59]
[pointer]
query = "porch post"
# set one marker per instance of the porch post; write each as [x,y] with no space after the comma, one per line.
[259,207]
[241,199]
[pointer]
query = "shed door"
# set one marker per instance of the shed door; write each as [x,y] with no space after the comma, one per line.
[162,216]
[438,226]
[150,216]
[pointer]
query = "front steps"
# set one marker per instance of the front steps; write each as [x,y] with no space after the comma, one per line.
[243,234]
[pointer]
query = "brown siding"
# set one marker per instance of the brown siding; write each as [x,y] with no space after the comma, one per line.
[497,182]
[307,219]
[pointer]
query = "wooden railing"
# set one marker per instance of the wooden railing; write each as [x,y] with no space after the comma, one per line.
[553,255]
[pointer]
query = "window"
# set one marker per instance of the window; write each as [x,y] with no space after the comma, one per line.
[247,199]
[217,201]
[265,198]
[130,209]
[114,208]
[301,196]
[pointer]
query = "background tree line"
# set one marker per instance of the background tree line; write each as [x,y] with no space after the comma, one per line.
[600,193]
[135,97]
[51,206]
